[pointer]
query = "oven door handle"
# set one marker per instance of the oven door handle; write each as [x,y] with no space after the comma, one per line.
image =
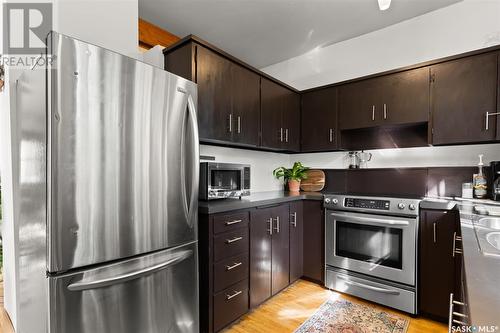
[370,219]
[366,286]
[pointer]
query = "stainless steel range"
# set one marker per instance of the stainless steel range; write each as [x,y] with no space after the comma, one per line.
[371,248]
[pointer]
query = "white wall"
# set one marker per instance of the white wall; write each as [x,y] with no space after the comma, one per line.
[112,24]
[462,27]
[262,164]
[408,157]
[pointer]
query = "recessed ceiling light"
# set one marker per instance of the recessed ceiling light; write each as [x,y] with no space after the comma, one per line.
[384,4]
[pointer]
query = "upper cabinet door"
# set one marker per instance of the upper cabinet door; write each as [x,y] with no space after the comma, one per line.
[291,121]
[272,96]
[245,105]
[319,120]
[360,104]
[462,91]
[405,97]
[213,76]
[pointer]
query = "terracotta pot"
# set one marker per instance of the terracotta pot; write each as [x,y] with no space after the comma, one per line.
[294,185]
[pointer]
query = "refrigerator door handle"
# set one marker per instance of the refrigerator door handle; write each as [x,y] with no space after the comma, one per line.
[193,122]
[196,153]
[108,281]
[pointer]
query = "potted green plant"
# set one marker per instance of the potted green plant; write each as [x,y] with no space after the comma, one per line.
[293,176]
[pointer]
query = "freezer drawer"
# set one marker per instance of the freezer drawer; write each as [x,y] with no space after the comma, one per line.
[393,296]
[122,157]
[153,293]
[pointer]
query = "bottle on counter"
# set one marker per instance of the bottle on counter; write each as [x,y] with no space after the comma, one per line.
[480,181]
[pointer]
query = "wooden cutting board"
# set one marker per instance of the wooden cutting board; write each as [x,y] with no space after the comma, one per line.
[315,181]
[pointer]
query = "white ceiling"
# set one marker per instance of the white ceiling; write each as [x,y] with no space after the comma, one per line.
[264,32]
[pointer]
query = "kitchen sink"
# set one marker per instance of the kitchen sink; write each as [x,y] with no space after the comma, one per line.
[494,239]
[490,222]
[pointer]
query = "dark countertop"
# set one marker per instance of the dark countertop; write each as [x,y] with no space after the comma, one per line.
[482,270]
[255,200]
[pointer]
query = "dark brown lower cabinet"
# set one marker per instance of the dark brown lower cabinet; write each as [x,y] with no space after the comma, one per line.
[437,265]
[296,241]
[224,266]
[261,256]
[314,240]
[269,252]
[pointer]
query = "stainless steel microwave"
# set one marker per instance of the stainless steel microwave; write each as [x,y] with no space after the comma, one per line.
[224,180]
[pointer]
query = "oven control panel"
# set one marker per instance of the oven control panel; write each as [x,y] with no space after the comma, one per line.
[381,205]
[367,203]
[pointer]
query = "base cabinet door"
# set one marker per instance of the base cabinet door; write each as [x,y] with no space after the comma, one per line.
[280,249]
[296,241]
[462,91]
[437,264]
[260,255]
[314,235]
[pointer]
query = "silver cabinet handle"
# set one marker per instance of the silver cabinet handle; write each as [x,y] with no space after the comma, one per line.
[488,115]
[233,222]
[236,293]
[434,232]
[115,279]
[230,123]
[331,134]
[277,228]
[294,219]
[455,239]
[453,313]
[373,112]
[236,264]
[286,134]
[239,124]
[281,134]
[366,286]
[232,240]
[270,230]
[385,111]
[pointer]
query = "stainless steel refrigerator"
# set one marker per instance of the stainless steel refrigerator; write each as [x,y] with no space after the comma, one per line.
[105,160]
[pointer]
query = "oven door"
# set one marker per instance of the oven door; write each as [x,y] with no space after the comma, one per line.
[225,177]
[375,245]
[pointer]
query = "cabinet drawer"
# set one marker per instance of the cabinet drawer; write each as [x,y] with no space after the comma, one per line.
[230,244]
[230,271]
[229,222]
[230,304]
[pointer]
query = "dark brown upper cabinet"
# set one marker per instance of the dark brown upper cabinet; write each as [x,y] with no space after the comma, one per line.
[405,97]
[393,99]
[359,104]
[228,94]
[462,92]
[280,117]
[319,120]
[245,105]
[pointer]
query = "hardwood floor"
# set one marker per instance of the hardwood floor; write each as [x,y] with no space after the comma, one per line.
[287,310]
[284,312]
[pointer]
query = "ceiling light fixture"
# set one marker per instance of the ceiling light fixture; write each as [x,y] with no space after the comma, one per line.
[384,4]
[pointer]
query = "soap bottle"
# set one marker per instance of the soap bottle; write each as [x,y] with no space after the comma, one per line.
[480,182]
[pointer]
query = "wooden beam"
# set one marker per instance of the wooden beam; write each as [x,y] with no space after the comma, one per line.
[151,35]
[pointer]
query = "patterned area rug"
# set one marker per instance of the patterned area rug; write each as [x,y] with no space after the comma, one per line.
[342,316]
